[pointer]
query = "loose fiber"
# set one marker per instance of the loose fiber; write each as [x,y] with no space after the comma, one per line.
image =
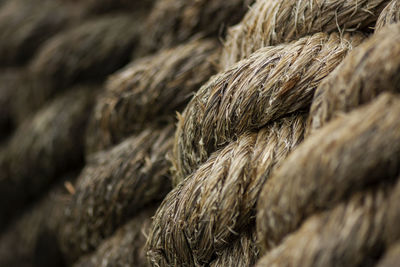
[271,83]
[272,22]
[354,233]
[208,209]
[125,247]
[25,25]
[42,149]
[172,22]
[114,186]
[391,257]
[89,52]
[32,239]
[370,69]
[389,15]
[345,156]
[149,91]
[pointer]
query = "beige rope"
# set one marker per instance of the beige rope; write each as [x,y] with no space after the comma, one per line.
[114,186]
[271,83]
[205,212]
[368,70]
[351,234]
[272,22]
[148,92]
[43,148]
[343,157]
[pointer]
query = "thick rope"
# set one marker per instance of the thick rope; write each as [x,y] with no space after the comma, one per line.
[272,22]
[368,70]
[125,247]
[42,149]
[343,157]
[354,233]
[36,230]
[100,52]
[271,83]
[172,22]
[114,186]
[206,211]
[148,92]
[25,25]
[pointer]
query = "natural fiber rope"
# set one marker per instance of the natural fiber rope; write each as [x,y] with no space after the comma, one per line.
[271,83]
[181,235]
[330,199]
[26,25]
[200,216]
[37,229]
[346,155]
[272,22]
[245,246]
[43,148]
[368,70]
[149,91]
[172,22]
[125,247]
[351,234]
[114,186]
[64,63]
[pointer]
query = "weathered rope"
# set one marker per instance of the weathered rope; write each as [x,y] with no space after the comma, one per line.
[328,178]
[272,22]
[271,83]
[172,22]
[125,247]
[204,212]
[88,52]
[25,25]
[343,157]
[368,70]
[32,239]
[42,149]
[243,252]
[149,91]
[114,186]
[352,234]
